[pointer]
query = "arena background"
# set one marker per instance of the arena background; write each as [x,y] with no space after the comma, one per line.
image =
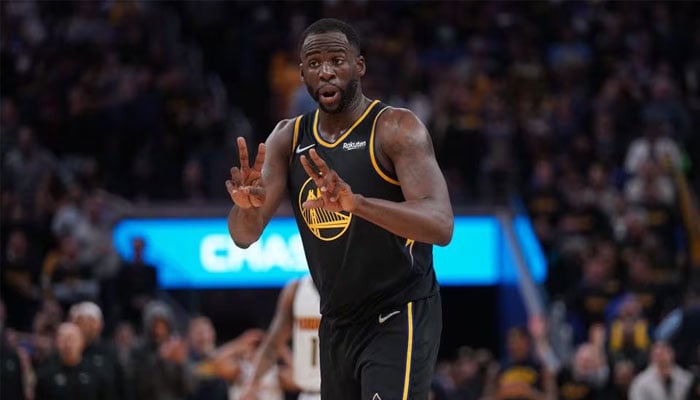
[579,116]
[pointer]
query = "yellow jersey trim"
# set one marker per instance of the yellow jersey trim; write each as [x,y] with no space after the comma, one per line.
[372,156]
[409,352]
[325,143]
[296,132]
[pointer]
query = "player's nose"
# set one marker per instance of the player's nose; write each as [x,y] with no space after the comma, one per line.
[327,71]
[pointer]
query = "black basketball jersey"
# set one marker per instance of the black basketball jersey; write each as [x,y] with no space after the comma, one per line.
[359,268]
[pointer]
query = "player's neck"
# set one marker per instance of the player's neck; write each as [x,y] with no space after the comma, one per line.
[332,126]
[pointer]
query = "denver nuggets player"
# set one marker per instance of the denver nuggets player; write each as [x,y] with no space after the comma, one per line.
[370,201]
[297,315]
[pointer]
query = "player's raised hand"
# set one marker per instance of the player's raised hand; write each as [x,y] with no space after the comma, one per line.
[336,194]
[245,186]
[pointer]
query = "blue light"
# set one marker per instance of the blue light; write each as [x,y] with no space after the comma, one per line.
[470,258]
[198,253]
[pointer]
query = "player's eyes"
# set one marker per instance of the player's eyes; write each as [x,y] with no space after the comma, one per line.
[313,64]
[339,61]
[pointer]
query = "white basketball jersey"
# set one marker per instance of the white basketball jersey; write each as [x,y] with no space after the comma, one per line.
[305,349]
[268,386]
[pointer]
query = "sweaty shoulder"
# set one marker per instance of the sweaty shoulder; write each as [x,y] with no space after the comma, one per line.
[280,139]
[398,128]
[394,121]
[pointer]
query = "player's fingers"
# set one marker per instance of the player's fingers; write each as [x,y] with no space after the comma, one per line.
[260,158]
[236,177]
[318,162]
[330,186]
[316,175]
[241,196]
[249,196]
[230,187]
[243,154]
[256,201]
[257,191]
[312,204]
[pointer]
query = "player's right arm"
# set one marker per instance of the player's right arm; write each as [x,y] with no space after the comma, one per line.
[257,190]
[278,334]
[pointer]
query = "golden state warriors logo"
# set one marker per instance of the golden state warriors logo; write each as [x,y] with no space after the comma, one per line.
[324,224]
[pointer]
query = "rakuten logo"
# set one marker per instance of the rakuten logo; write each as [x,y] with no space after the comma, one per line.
[218,253]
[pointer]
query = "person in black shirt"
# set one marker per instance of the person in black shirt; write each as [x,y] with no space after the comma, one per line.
[69,376]
[521,375]
[370,202]
[201,338]
[161,370]
[99,353]
[587,378]
[18,280]
[138,283]
[11,377]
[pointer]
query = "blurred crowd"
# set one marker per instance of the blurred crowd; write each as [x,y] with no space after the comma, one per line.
[584,112]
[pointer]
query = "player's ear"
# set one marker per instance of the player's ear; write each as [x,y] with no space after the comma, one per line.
[301,72]
[361,67]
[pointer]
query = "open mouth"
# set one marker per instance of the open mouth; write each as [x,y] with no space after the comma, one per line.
[328,94]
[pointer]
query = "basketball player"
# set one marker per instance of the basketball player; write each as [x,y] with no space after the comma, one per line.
[297,316]
[370,201]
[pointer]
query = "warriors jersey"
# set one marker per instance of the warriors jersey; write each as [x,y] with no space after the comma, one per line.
[307,318]
[359,268]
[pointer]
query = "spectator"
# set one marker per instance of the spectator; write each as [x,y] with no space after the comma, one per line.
[124,343]
[663,379]
[694,392]
[666,103]
[623,374]
[468,376]
[98,353]
[70,376]
[600,190]
[94,232]
[681,326]
[588,376]
[650,186]
[162,371]
[590,299]
[581,219]
[202,341]
[608,145]
[26,166]
[44,327]
[655,145]
[65,278]
[498,170]
[11,377]
[20,273]
[442,386]
[91,227]
[656,294]
[138,283]
[520,375]
[629,333]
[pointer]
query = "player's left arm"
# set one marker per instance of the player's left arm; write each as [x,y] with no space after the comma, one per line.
[426,214]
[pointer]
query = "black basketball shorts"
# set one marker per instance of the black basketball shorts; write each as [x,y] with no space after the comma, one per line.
[388,357]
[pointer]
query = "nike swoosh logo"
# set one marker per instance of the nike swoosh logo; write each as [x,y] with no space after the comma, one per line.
[383,318]
[302,149]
